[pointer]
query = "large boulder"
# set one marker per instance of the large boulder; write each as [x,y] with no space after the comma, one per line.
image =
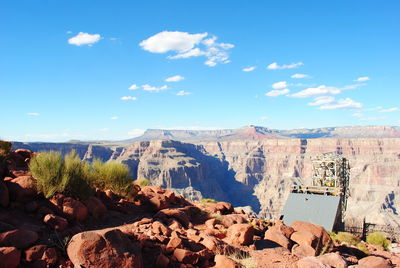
[104,248]
[311,262]
[18,238]
[323,238]
[240,234]
[9,257]
[276,236]
[22,188]
[304,238]
[333,259]
[374,262]
[74,209]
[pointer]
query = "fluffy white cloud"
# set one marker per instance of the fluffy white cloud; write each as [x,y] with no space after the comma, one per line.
[187,45]
[172,41]
[249,69]
[114,117]
[362,79]
[394,109]
[322,100]
[128,98]
[346,103]
[147,87]
[84,39]
[299,76]
[33,114]
[322,90]
[276,66]
[133,87]
[175,78]
[263,118]
[277,92]
[279,85]
[183,93]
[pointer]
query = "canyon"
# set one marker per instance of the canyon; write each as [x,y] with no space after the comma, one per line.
[255,167]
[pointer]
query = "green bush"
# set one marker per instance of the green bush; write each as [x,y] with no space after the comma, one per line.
[142,182]
[57,175]
[378,239]
[5,150]
[110,175]
[347,239]
[208,200]
[361,246]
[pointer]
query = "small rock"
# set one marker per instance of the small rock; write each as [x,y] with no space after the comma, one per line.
[240,234]
[186,256]
[333,259]
[74,209]
[303,251]
[4,196]
[35,253]
[222,261]
[304,238]
[174,242]
[374,262]
[50,256]
[311,262]
[55,222]
[95,207]
[273,235]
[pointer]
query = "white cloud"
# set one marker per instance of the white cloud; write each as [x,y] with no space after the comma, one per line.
[277,92]
[183,93]
[279,85]
[114,117]
[322,90]
[276,66]
[346,103]
[373,109]
[148,87]
[105,129]
[263,118]
[322,100]
[133,87]
[136,132]
[84,39]
[175,78]
[390,110]
[187,45]
[33,114]
[69,32]
[299,76]
[249,69]
[358,114]
[113,38]
[362,79]
[128,98]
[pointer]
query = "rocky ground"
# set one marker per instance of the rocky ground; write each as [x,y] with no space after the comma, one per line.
[155,229]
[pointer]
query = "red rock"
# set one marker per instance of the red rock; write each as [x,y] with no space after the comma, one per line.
[25,154]
[159,228]
[43,210]
[311,262]
[9,257]
[162,261]
[316,230]
[374,262]
[55,222]
[173,213]
[304,238]
[276,236]
[95,207]
[211,223]
[18,238]
[240,234]
[50,256]
[174,242]
[104,248]
[74,209]
[4,196]
[211,243]
[285,230]
[186,256]
[222,261]
[303,251]
[333,259]
[175,225]
[35,253]
[228,220]
[224,208]
[22,188]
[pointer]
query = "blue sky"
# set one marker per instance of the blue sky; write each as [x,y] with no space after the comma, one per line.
[66,66]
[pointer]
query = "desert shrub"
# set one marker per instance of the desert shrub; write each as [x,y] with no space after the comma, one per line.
[362,247]
[5,150]
[347,239]
[216,216]
[110,175]
[242,257]
[57,175]
[208,200]
[378,239]
[142,182]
